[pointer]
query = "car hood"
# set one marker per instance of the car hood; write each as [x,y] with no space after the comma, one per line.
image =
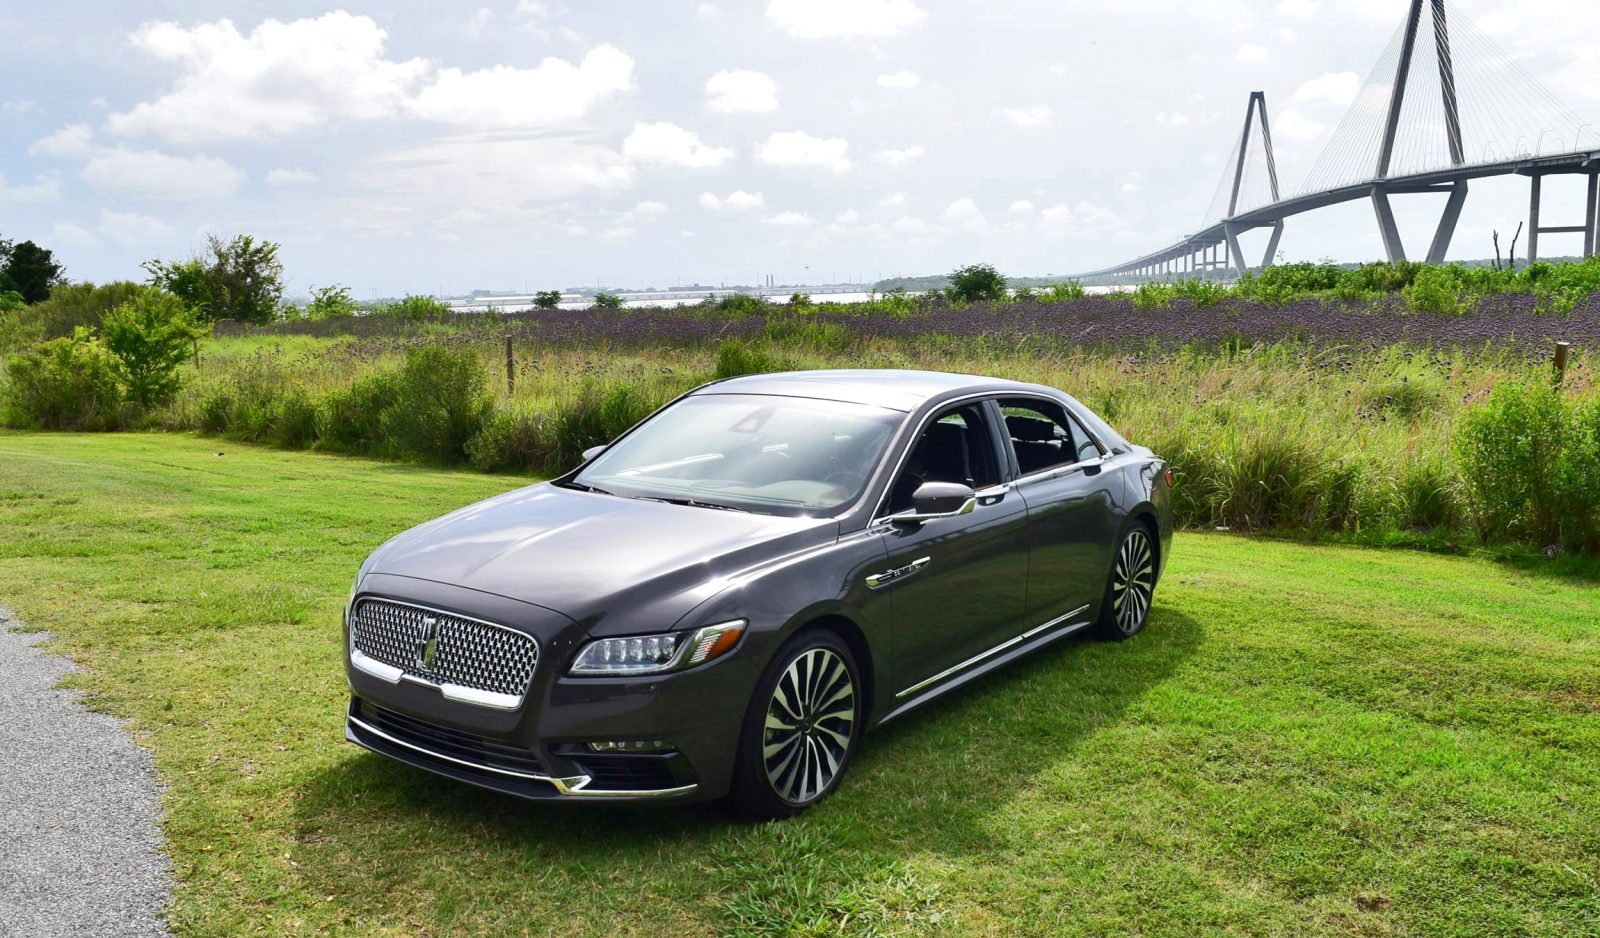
[616,564]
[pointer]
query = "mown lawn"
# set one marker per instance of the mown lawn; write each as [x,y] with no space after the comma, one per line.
[1305,740]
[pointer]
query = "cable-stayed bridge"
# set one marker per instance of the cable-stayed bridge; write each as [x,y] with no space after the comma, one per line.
[1442,107]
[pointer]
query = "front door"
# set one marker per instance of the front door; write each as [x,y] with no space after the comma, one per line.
[957,585]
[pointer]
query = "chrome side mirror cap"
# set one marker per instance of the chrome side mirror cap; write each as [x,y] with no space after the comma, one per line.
[933,501]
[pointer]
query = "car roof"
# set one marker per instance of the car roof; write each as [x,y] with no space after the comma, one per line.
[896,389]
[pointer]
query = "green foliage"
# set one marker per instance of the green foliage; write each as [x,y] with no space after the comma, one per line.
[330,302]
[1530,467]
[11,301]
[413,308]
[547,299]
[239,279]
[1022,294]
[70,383]
[735,358]
[30,270]
[510,441]
[78,305]
[596,414]
[799,300]
[741,304]
[1435,290]
[1065,292]
[440,402]
[351,419]
[257,402]
[151,335]
[607,300]
[976,282]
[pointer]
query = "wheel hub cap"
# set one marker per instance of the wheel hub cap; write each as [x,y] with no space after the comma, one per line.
[810,725]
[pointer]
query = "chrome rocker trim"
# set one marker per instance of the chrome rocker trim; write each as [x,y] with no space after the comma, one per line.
[575,786]
[947,672]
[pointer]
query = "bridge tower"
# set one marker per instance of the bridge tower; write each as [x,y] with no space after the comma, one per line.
[1381,188]
[1255,115]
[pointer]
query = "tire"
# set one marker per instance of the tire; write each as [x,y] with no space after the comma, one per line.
[1130,586]
[801,729]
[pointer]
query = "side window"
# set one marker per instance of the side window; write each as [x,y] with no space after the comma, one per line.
[1044,436]
[955,446]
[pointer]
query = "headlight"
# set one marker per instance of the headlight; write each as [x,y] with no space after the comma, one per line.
[655,654]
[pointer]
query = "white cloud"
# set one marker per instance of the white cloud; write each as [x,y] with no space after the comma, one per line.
[72,234]
[1252,54]
[554,92]
[650,207]
[1298,9]
[282,78]
[619,233]
[132,229]
[709,11]
[1036,116]
[843,19]
[893,199]
[44,188]
[151,175]
[901,80]
[965,213]
[741,91]
[787,220]
[737,201]
[1172,120]
[289,177]
[1021,207]
[798,148]
[71,142]
[899,157]
[666,144]
[1335,89]
[1084,221]
[1290,124]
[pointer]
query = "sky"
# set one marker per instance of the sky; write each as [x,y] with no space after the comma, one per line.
[426,147]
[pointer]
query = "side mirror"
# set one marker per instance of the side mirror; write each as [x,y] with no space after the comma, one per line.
[594,451]
[934,500]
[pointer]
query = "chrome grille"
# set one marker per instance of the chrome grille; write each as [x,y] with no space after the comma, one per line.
[467,653]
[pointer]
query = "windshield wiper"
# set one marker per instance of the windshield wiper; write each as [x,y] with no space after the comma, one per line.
[586,487]
[692,503]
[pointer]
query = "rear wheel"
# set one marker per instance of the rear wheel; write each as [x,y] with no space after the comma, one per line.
[1131,586]
[801,729]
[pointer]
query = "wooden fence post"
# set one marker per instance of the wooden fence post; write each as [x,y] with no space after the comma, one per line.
[1562,351]
[511,368]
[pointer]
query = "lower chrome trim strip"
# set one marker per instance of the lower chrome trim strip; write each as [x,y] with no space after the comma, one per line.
[574,786]
[367,664]
[947,672]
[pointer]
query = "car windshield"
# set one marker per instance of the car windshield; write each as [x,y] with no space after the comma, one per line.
[752,452]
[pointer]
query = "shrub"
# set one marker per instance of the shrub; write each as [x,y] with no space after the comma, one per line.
[1435,290]
[735,358]
[1065,292]
[413,308]
[976,282]
[607,300]
[76,305]
[330,302]
[1509,450]
[799,300]
[741,304]
[440,402]
[239,279]
[1022,294]
[510,441]
[595,415]
[351,419]
[151,335]
[11,301]
[247,405]
[547,299]
[69,383]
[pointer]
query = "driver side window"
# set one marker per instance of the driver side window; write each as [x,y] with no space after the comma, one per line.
[956,446]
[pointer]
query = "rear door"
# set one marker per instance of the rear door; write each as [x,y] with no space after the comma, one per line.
[957,585]
[1071,499]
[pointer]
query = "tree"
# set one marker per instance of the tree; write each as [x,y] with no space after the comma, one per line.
[151,335]
[547,299]
[330,302]
[976,282]
[239,279]
[607,300]
[29,270]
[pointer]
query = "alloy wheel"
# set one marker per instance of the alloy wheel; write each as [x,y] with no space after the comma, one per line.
[1133,581]
[809,726]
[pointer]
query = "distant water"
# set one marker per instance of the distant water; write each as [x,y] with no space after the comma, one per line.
[514,303]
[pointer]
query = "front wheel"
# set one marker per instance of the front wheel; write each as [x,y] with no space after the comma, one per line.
[801,729]
[1131,586]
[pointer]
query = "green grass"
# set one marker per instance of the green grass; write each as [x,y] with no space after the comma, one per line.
[1305,740]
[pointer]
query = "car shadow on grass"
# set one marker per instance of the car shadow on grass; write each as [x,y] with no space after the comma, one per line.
[392,843]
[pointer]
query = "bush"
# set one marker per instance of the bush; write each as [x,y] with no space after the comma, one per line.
[547,299]
[607,300]
[76,305]
[351,420]
[1065,292]
[799,300]
[413,308]
[440,402]
[239,279]
[594,416]
[735,358]
[151,335]
[330,302]
[1528,470]
[1436,290]
[510,441]
[69,383]
[976,282]
[248,404]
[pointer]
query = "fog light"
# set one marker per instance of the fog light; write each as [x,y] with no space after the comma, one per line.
[631,745]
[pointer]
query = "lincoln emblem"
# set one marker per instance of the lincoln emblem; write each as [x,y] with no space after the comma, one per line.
[427,640]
